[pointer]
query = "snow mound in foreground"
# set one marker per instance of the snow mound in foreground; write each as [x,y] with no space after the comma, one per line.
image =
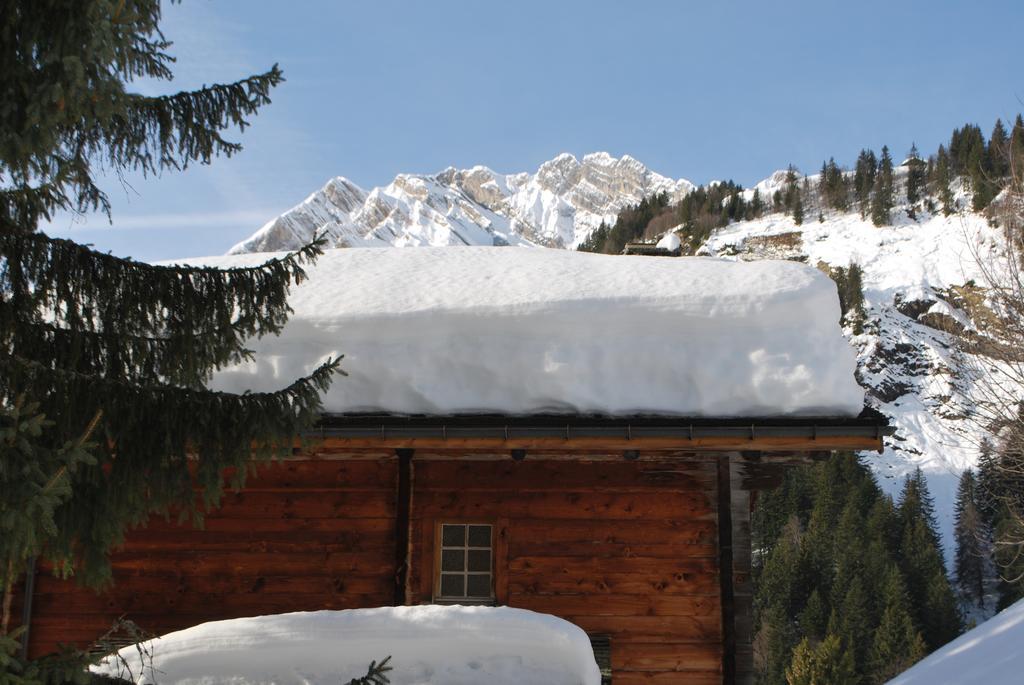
[518,331]
[429,645]
[988,654]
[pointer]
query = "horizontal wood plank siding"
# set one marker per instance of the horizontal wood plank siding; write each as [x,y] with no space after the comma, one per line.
[303,535]
[624,549]
[628,549]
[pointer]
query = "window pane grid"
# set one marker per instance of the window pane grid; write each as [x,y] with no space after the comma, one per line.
[466,561]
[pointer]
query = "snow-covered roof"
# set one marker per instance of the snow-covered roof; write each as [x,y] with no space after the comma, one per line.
[670,241]
[988,654]
[428,645]
[520,331]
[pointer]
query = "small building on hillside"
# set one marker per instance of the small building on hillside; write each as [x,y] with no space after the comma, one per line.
[668,246]
[571,433]
[915,162]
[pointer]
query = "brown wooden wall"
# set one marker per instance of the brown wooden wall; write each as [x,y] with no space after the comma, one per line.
[303,535]
[626,549]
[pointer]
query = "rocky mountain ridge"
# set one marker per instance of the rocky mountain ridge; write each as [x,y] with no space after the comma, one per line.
[557,206]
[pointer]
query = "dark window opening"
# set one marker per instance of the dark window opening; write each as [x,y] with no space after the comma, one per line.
[465,565]
[602,646]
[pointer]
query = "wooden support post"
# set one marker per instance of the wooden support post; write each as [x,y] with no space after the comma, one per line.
[734,570]
[725,571]
[742,584]
[402,513]
[26,607]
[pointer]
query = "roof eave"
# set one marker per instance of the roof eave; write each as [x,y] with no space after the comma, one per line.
[586,432]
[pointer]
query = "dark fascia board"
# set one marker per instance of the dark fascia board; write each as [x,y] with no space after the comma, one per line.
[869,424]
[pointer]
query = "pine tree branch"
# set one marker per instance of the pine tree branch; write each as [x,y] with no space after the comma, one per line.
[159,449]
[185,127]
[82,440]
[81,289]
[23,206]
[184,360]
[16,367]
[375,674]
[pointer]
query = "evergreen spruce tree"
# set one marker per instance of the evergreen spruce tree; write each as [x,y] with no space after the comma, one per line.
[940,180]
[879,215]
[826,663]
[798,210]
[1008,559]
[595,241]
[917,504]
[999,152]
[813,619]
[915,179]
[897,644]
[781,579]
[852,296]
[832,186]
[792,189]
[998,497]
[773,645]
[104,418]
[882,542]
[967,150]
[882,192]
[803,669]
[971,541]
[830,539]
[989,484]
[848,558]
[885,196]
[932,600]
[1016,156]
[756,206]
[853,622]
[970,158]
[864,179]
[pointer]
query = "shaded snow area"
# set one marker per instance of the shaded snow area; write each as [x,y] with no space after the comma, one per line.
[526,330]
[905,356]
[428,645]
[990,654]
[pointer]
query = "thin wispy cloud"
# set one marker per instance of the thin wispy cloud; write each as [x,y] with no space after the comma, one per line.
[230,219]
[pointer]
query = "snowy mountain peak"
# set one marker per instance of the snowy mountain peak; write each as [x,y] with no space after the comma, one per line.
[776,181]
[559,205]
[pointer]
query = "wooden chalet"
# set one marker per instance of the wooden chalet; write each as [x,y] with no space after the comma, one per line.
[636,528]
[651,250]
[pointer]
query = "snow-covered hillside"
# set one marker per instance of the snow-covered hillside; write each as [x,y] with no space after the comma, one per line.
[912,276]
[558,206]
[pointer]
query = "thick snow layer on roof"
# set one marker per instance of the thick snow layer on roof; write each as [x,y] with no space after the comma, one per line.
[989,654]
[670,241]
[517,330]
[428,645]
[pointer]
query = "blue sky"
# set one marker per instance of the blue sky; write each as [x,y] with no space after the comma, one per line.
[704,91]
